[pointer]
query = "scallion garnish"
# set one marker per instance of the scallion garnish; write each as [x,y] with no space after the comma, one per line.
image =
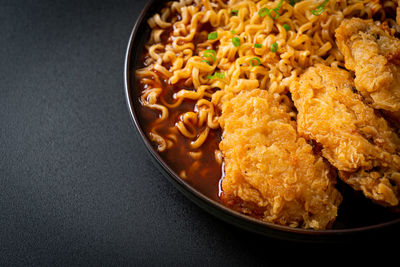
[212,36]
[210,53]
[217,75]
[276,11]
[257,45]
[319,9]
[256,59]
[293,2]
[278,7]
[286,27]
[274,47]
[234,12]
[263,12]
[233,32]
[236,41]
[206,61]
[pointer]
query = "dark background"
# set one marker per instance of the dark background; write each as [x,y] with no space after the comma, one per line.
[76,184]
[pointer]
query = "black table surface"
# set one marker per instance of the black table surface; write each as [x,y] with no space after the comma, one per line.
[76,184]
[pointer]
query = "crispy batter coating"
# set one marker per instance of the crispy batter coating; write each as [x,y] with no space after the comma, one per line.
[354,139]
[272,170]
[374,55]
[398,13]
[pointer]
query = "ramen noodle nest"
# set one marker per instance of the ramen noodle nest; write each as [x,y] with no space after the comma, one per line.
[277,100]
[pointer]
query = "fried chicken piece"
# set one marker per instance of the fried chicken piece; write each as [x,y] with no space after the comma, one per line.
[374,55]
[269,170]
[359,143]
[398,13]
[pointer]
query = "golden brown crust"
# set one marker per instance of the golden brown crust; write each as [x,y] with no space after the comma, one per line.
[398,13]
[268,166]
[373,54]
[355,140]
[382,185]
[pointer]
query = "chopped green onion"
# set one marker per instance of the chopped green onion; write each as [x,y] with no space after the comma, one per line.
[319,9]
[206,61]
[274,47]
[257,45]
[278,7]
[286,27]
[276,10]
[236,41]
[212,36]
[276,13]
[235,12]
[233,32]
[263,12]
[217,75]
[256,59]
[293,2]
[210,54]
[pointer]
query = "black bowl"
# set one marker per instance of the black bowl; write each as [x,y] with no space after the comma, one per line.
[360,218]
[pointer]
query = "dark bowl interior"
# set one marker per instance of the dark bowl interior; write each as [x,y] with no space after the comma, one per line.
[358,216]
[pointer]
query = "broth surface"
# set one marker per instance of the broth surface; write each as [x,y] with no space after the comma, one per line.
[205,173]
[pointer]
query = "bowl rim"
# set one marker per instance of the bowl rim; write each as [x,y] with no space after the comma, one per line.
[188,190]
